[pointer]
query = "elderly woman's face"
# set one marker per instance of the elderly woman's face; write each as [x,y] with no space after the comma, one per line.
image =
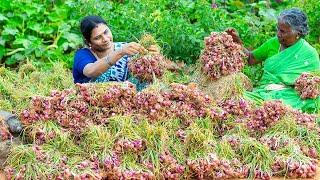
[286,35]
[101,38]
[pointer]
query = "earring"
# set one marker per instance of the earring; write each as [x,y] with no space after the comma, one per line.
[297,37]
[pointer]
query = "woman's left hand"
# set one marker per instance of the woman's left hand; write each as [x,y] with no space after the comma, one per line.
[154,49]
[235,35]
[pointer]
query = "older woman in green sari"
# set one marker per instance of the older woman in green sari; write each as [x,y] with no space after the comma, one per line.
[285,58]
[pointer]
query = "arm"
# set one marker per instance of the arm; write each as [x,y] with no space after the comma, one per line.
[236,38]
[102,65]
[251,59]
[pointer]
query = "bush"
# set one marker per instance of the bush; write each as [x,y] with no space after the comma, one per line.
[311,8]
[47,31]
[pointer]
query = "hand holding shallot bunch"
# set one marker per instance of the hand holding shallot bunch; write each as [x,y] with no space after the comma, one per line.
[148,66]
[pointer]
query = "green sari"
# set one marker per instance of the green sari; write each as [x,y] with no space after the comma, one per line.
[283,68]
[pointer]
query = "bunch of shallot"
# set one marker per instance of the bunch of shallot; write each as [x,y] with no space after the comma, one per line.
[267,115]
[170,168]
[135,146]
[148,66]
[221,56]
[308,86]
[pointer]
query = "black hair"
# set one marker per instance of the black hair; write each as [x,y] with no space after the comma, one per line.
[87,24]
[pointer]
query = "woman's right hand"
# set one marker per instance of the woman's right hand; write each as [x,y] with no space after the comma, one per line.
[236,38]
[235,35]
[129,49]
[132,48]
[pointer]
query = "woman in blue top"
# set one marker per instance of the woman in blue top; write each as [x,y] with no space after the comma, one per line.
[103,60]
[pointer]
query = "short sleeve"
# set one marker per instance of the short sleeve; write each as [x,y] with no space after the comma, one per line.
[266,50]
[82,58]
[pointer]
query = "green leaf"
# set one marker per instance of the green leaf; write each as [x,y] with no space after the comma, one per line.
[3,18]
[36,42]
[72,37]
[10,31]
[47,30]
[64,27]
[2,41]
[35,26]
[268,14]
[38,53]
[23,16]
[5,4]
[14,59]
[71,40]
[2,51]
[31,11]
[22,41]
[59,14]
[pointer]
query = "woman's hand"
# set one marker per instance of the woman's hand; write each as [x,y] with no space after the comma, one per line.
[154,49]
[132,48]
[236,38]
[97,68]
[235,35]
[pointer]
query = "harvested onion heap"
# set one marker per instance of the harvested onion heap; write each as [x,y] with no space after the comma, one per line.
[276,141]
[308,120]
[152,104]
[294,164]
[115,97]
[211,167]
[308,86]
[146,67]
[267,115]
[170,167]
[42,132]
[92,103]
[62,106]
[239,107]
[135,146]
[88,169]
[188,101]
[112,167]
[221,56]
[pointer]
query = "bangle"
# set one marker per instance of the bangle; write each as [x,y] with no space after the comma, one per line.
[108,61]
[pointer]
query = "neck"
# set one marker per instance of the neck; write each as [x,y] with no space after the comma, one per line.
[104,53]
[283,47]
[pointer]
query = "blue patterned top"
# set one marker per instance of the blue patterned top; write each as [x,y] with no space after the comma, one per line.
[117,72]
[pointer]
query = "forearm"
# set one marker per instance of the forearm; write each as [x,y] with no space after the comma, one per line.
[236,38]
[102,65]
[251,59]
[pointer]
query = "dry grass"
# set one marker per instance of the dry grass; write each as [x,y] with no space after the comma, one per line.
[232,85]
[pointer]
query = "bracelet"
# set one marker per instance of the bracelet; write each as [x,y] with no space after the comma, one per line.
[108,61]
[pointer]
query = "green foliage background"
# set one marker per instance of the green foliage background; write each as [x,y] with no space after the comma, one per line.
[45,31]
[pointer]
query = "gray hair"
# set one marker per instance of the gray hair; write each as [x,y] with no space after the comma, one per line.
[296,19]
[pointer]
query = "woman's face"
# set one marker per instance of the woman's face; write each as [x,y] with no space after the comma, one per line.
[101,38]
[286,35]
